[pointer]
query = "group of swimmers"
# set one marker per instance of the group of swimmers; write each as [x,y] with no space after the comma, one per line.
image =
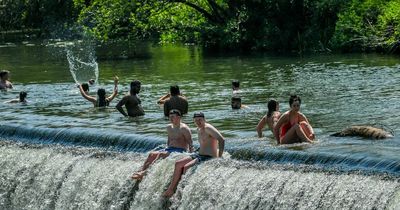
[289,127]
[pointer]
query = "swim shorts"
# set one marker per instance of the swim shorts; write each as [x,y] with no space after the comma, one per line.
[173,149]
[200,158]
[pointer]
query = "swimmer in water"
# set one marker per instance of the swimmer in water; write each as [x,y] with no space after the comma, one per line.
[270,119]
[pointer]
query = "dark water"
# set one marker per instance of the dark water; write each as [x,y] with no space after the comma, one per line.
[337,91]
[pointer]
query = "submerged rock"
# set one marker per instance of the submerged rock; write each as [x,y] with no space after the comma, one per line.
[364,131]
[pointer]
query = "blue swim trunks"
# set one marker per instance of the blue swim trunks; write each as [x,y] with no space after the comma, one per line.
[173,149]
[200,158]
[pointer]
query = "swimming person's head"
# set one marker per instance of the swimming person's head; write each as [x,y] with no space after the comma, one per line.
[135,87]
[273,106]
[4,74]
[101,97]
[91,81]
[22,96]
[85,87]
[236,103]
[174,90]
[235,84]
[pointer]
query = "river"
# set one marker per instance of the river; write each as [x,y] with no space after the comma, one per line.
[60,152]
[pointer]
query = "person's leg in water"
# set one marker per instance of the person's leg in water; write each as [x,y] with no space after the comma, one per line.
[153,156]
[294,134]
[181,166]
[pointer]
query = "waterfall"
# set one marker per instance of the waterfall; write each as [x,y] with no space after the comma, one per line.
[58,177]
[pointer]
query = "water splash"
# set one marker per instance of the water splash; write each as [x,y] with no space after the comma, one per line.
[82,62]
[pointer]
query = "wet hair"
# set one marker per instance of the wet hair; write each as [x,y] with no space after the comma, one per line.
[236,99]
[135,87]
[101,98]
[272,107]
[235,83]
[3,73]
[135,83]
[294,98]
[22,95]
[198,114]
[174,90]
[85,86]
[175,111]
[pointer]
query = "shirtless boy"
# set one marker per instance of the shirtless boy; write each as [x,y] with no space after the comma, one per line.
[179,140]
[212,145]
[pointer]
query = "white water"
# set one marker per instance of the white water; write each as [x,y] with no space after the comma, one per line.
[36,177]
[82,62]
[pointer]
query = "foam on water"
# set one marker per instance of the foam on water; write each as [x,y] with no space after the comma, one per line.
[53,177]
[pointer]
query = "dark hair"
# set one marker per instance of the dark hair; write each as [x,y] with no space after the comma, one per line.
[271,107]
[198,114]
[237,99]
[235,83]
[135,87]
[294,98]
[135,83]
[3,73]
[22,95]
[174,90]
[85,86]
[175,111]
[101,99]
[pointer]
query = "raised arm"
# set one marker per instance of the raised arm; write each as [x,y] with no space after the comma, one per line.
[210,130]
[163,98]
[120,104]
[115,91]
[86,96]
[261,126]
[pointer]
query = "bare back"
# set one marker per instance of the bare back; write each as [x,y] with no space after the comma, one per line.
[180,136]
[176,102]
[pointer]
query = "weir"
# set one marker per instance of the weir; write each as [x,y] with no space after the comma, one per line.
[237,150]
[55,177]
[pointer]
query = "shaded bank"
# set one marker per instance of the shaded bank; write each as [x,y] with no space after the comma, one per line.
[274,25]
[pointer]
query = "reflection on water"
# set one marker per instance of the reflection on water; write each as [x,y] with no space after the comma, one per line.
[337,91]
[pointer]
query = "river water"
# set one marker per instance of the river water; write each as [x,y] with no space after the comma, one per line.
[59,152]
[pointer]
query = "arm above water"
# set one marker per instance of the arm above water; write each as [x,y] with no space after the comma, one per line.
[188,138]
[120,104]
[163,98]
[260,126]
[115,91]
[212,131]
[86,96]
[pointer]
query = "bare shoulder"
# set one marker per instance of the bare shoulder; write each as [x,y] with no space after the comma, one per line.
[185,127]
[169,126]
[210,128]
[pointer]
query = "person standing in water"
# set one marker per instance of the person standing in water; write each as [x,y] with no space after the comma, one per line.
[270,119]
[212,145]
[175,101]
[293,126]
[101,100]
[4,80]
[179,140]
[132,102]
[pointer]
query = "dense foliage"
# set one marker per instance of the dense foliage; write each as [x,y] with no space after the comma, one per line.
[267,25]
